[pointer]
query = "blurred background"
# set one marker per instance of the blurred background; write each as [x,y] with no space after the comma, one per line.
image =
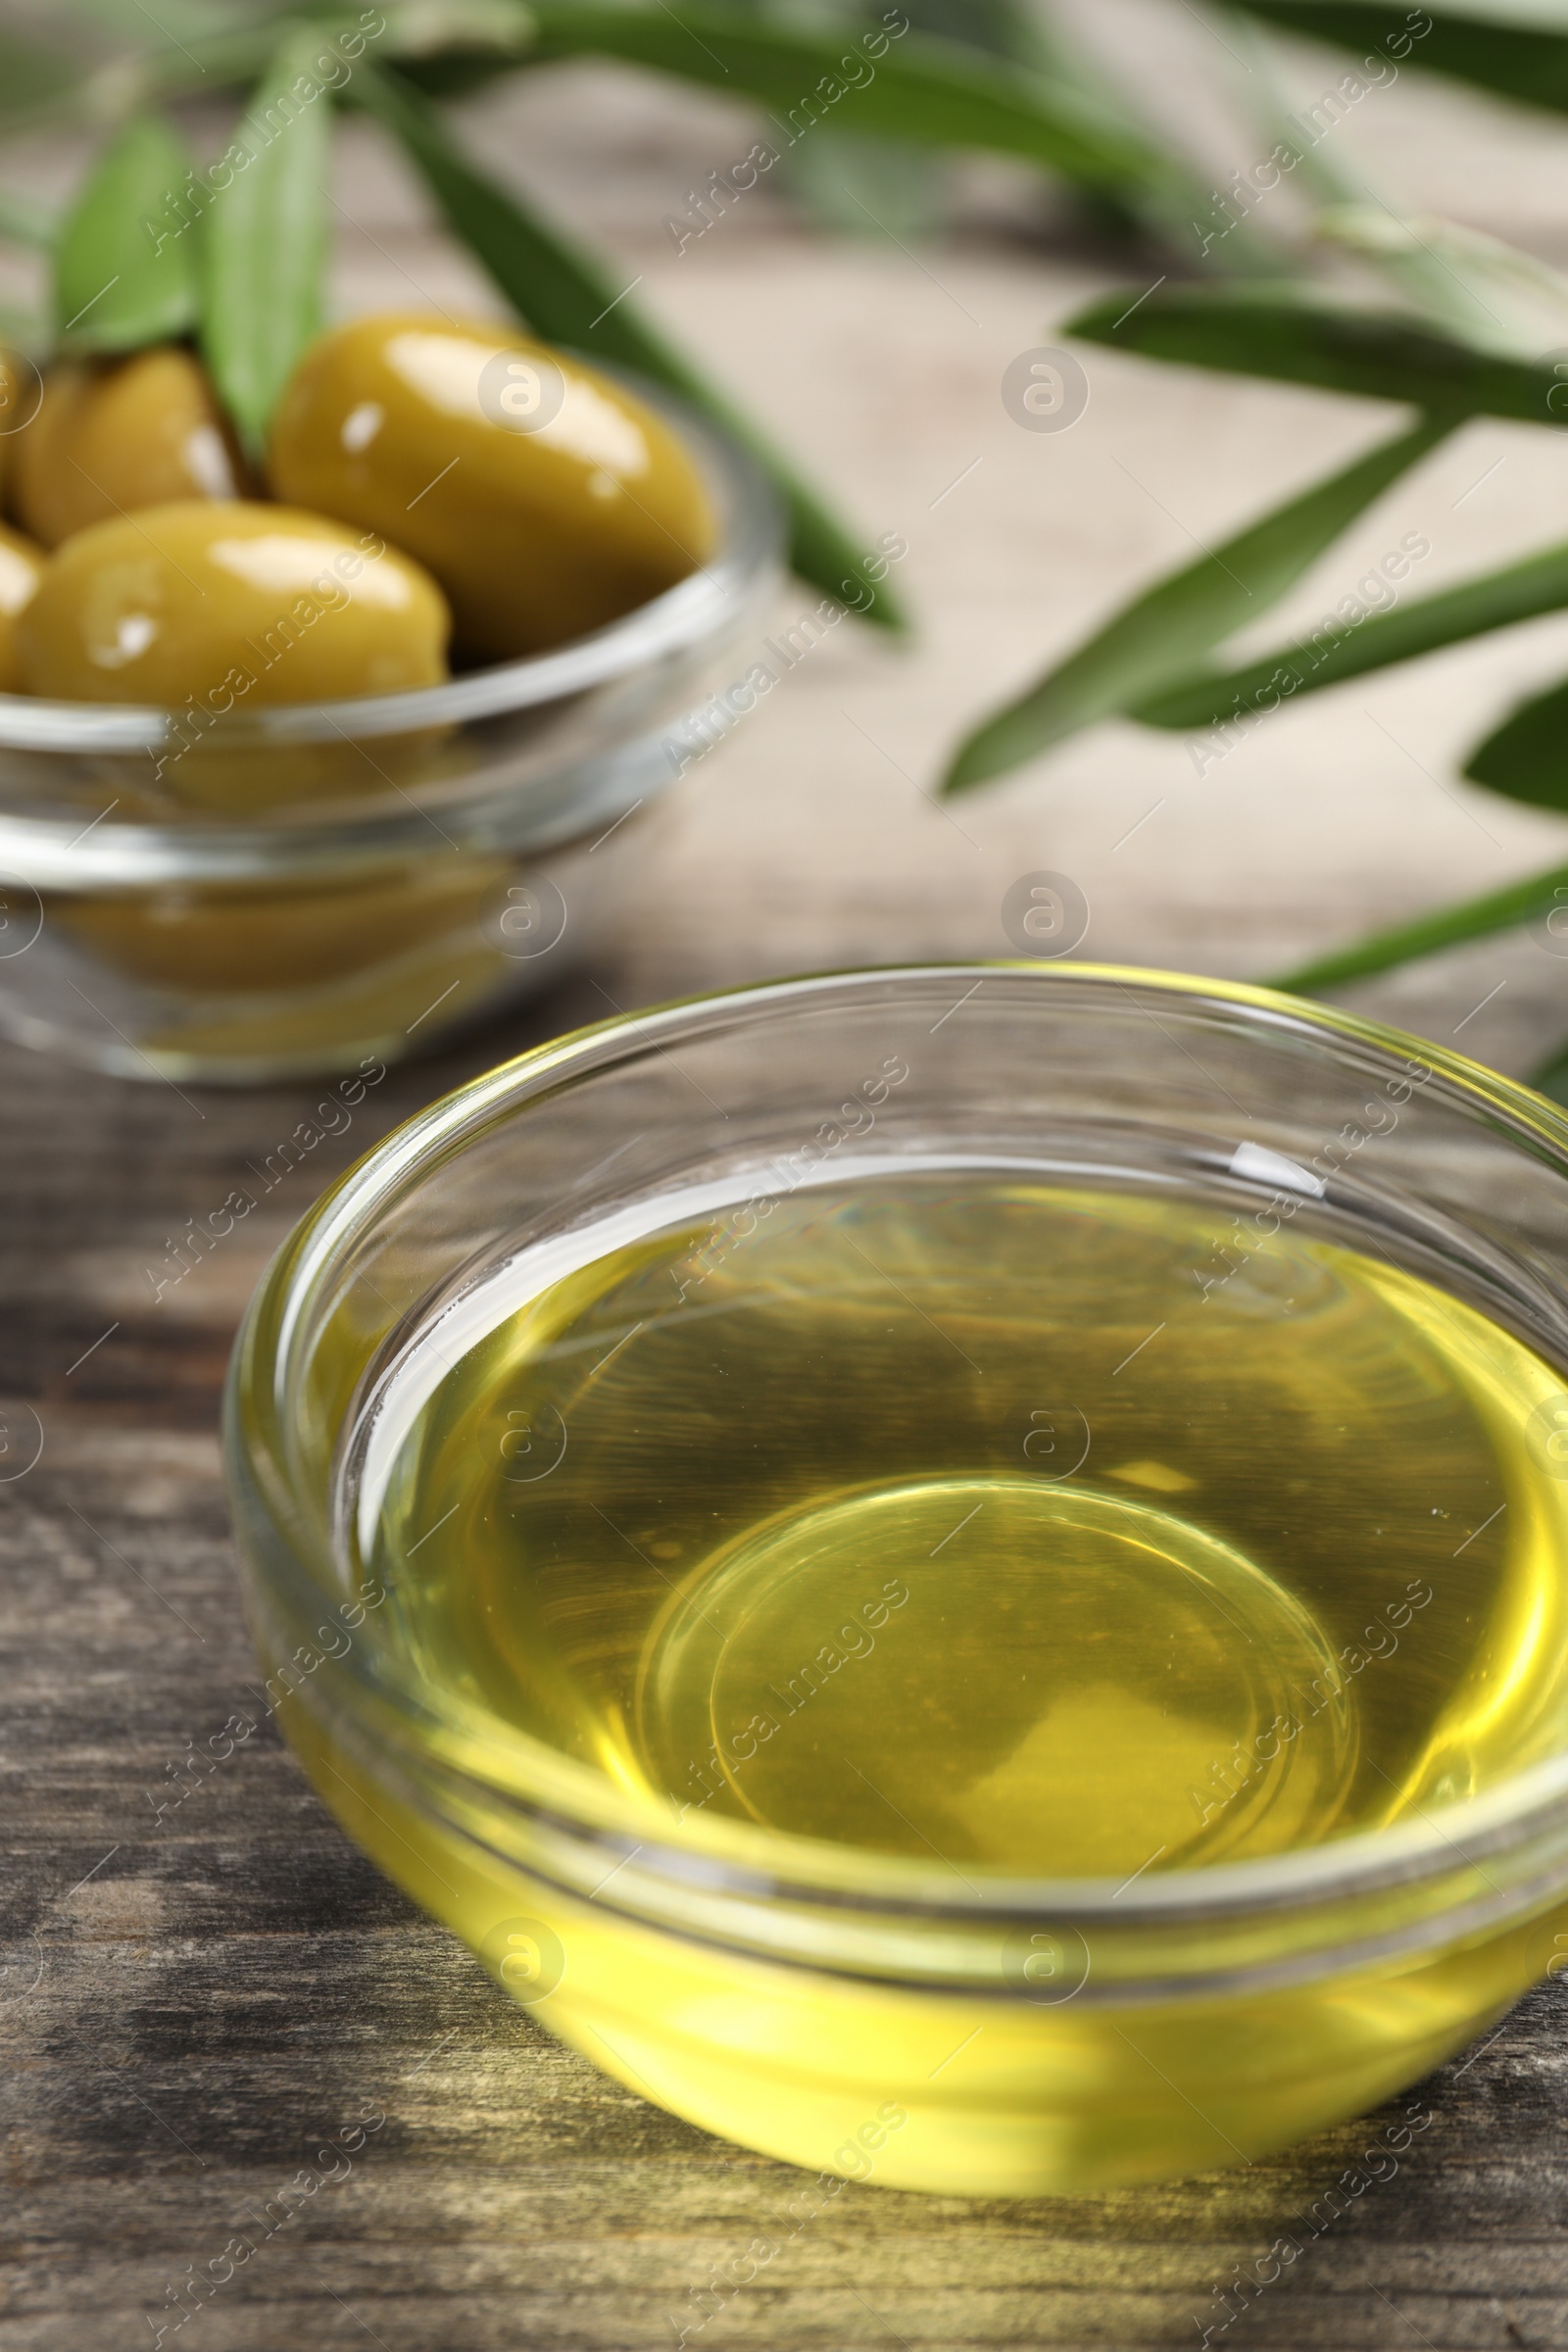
[866,299]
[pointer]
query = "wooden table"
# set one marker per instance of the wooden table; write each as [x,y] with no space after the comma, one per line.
[191,1999]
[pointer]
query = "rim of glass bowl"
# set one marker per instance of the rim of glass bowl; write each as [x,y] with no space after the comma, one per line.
[749,1859]
[678,621]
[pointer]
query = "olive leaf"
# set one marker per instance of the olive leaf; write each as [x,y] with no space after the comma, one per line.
[1431,265]
[1481,290]
[1302,335]
[1298,333]
[1480,45]
[224,49]
[1184,215]
[1474,918]
[122,278]
[1164,631]
[900,84]
[1472,609]
[1166,211]
[1527,756]
[456,47]
[262,241]
[1429,935]
[1550,1078]
[571,297]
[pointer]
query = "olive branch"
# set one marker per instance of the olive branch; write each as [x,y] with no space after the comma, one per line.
[1455,325]
[234,253]
[1446,325]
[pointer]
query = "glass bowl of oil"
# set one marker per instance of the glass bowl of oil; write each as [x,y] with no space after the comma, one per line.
[958,1574]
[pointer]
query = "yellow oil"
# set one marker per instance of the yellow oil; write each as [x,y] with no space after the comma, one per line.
[1009,1528]
[802,1534]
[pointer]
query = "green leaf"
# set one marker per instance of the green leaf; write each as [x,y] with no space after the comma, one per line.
[1302,335]
[1458,280]
[1180,212]
[37,86]
[208,67]
[446,48]
[568,296]
[1336,651]
[1471,286]
[1478,45]
[1000,28]
[941,93]
[123,276]
[1160,633]
[1474,919]
[1552,1077]
[1527,756]
[264,241]
[458,73]
[179,57]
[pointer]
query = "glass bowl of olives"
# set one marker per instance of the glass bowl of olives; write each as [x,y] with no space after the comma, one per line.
[311,755]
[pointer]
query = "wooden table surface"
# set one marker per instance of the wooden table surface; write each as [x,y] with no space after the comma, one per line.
[192,1998]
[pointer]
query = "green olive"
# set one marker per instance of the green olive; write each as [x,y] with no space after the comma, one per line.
[113,436]
[21,567]
[217,606]
[546,499]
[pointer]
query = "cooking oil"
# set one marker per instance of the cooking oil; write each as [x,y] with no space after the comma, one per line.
[1021,1528]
